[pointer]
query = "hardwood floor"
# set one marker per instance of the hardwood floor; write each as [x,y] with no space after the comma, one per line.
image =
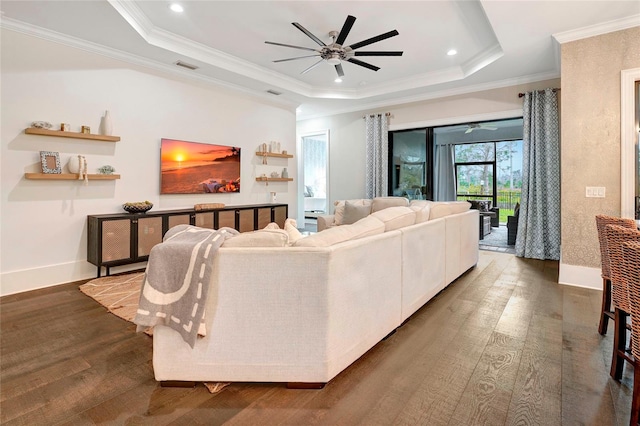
[504,344]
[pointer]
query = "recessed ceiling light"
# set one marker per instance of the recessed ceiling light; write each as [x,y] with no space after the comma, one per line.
[338,80]
[452,52]
[177,8]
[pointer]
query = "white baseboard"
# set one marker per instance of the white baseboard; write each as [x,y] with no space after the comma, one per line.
[580,276]
[49,276]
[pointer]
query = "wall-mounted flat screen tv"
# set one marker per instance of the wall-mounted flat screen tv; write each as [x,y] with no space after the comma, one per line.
[198,168]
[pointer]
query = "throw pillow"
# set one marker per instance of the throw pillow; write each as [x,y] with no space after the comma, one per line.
[354,212]
[339,210]
[272,225]
[293,232]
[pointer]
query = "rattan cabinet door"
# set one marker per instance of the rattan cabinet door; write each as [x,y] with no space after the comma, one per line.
[181,219]
[149,234]
[246,220]
[116,240]
[264,217]
[280,215]
[204,220]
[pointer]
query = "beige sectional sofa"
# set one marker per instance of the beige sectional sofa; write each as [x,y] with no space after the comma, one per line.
[304,312]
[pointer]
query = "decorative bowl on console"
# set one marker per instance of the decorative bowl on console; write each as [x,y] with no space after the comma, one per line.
[138,207]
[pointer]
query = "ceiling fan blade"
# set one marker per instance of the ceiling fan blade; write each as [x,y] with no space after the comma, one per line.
[363,64]
[344,32]
[312,66]
[374,39]
[339,70]
[488,127]
[469,130]
[311,36]
[299,57]
[289,45]
[378,53]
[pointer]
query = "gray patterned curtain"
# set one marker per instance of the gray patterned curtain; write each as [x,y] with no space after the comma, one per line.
[377,127]
[539,222]
[445,185]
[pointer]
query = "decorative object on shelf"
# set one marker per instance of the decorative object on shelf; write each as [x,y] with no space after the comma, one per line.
[106,170]
[50,162]
[275,175]
[65,127]
[285,173]
[105,124]
[208,206]
[274,147]
[284,152]
[137,207]
[41,125]
[273,197]
[78,164]
[86,129]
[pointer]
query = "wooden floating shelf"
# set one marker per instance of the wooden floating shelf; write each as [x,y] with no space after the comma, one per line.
[273,154]
[67,176]
[268,179]
[75,135]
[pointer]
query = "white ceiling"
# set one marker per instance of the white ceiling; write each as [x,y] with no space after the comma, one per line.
[498,42]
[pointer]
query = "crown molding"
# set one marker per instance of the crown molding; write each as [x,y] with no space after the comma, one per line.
[597,29]
[174,43]
[87,46]
[532,78]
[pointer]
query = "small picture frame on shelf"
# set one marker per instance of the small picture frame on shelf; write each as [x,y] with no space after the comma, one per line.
[86,129]
[50,162]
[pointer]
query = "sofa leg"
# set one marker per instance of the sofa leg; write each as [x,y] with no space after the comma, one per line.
[300,385]
[177,384]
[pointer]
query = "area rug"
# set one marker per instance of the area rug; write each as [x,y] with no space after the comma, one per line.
[120,295]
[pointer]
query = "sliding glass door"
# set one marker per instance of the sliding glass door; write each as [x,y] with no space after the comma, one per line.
[410,164]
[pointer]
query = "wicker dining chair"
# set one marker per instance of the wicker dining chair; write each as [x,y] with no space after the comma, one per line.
[631,273]
[616,236]
[601,221]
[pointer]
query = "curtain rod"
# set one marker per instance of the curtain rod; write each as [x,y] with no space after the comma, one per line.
[386,114]
[555,89]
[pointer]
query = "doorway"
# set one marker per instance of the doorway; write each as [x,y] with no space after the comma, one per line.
[315,175]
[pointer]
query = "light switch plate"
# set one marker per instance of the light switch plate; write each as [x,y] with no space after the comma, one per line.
[595,191]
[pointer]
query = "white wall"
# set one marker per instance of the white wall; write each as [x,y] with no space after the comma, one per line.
[347,150]
[43,223]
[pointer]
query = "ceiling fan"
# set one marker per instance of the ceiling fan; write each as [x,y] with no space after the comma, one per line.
[335,52]
[481,126]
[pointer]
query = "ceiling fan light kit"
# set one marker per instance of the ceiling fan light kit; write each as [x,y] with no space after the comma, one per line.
[336,52]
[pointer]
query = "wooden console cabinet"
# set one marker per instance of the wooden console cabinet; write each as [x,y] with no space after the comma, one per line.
[126,238]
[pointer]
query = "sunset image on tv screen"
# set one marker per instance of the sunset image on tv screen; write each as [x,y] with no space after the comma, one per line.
[198,168]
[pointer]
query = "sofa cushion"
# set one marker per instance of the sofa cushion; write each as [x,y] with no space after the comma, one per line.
[422,209]
[445,208]
[353,212]
[259,238]
[381,203]
[338,234]
[395,217]
[339,208]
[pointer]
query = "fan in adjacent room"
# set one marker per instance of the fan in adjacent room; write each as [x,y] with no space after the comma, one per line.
[335,52]
[481,126]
